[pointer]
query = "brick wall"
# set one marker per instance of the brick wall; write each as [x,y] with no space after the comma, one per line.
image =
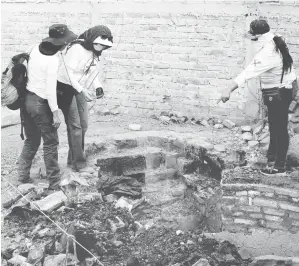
[168,55]
[250,201]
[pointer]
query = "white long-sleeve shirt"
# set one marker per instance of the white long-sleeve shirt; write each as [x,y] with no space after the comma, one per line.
[42,76]
[267,64]
[73,68]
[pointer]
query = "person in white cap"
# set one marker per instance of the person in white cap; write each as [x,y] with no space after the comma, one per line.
[40,113]
[77,82]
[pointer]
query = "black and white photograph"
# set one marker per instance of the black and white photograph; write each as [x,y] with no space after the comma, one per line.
[149,132]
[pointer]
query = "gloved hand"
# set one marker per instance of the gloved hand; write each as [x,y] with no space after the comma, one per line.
[99,93]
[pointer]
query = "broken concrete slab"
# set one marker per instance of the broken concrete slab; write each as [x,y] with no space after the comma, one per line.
[51,202]
[228,123]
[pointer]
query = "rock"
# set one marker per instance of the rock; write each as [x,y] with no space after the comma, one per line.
[104,111]
[135,127]
[245,255]
[229,258]
[87,170]
[36,254]
[177,114]
[190,242]
[51,202]
[228,123]
[293,152]
[71,178]
[246,128]
[253,143]
[263,136]
[89,196]
[205,123]
[43,232]
[258,130]
[265,140]
[179,191]
[116,226]
[154,117]
[165,113]
[295,175]
[247,136]
[218,126]
[26,188]
[179,232]
[164,118]
[110,198]
[114,111]
[123,203]
[202,262]
[8,199]
[17,260]
[117,243]
[219,148]
[293,106]
[59,260]
[133,261]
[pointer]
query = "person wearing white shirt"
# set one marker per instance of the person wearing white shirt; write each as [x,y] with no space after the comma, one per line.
[274,65]
[77,82]
[40,113]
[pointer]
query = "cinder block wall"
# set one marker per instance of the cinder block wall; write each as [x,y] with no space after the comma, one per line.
[168,55]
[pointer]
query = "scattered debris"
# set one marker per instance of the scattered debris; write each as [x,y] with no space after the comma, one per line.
[51,202]
[135,127]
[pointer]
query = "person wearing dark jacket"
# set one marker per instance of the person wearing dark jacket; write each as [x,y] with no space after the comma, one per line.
[274,65]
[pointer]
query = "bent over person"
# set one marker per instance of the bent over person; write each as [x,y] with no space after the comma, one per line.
[77,82]
[274,65]
[40,114]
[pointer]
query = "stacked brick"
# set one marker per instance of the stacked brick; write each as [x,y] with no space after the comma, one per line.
[168,55]
[254,202]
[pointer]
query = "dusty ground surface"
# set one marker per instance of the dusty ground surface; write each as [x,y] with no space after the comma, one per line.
[155,246]
[158,245]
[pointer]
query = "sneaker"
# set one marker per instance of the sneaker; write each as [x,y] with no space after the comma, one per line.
[273,172]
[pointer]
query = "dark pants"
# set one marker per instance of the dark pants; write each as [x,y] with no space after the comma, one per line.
[76,118]
[278,127]
[38,120]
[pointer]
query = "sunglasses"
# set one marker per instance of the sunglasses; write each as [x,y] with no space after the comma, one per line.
[110,38]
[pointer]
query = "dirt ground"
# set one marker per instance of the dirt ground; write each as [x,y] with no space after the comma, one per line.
[156,246]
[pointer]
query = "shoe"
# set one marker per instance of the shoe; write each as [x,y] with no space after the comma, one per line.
[273,172]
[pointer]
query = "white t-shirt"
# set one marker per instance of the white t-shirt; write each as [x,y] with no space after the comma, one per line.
[42,76]
[79,68]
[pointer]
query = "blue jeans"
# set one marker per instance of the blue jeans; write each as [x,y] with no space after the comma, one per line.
[38,120]
[76,119]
